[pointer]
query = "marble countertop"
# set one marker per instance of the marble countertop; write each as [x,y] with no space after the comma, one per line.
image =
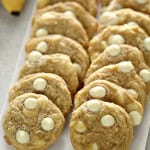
[12,32]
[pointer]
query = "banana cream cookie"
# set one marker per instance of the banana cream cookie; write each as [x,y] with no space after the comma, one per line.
[60,44]
[90,5]
[32,122]
[110,92]
[130,35]
[60,23]
[117,53]
[56,63]
[98,125]
[89,22]
[126,16]
[138,5]
[124,75]
[51,85]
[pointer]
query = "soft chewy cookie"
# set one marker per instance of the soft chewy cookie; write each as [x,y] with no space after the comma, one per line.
[51,85]
[110,92]
[122,74]
[56,63]
[117,53]
[60,44]
[89,5]
[98,125]
[138,5]
[126,16]
[32,122]
[130,35]
[89,22]
[60,23]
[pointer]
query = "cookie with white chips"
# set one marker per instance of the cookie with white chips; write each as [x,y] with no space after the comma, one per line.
[59,23]
[99,125]
[32,121]
[124,75]
[114,54]
[138,5]
[60,44]
[127,17]
[59,64]
[90,5]
[130,35]
[110,92]
[48,84]
[72,8]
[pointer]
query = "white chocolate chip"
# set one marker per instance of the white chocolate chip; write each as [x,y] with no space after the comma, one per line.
[31,103]
[77,68]
[116,39]
[80,127]
[113,50]
[41,32]
[125,66]
[145,75]
[69,13]
[22,137]
[141,1]
[98,92]
[132,23]
[133,93]
[93,106]
[47,124]
[34,56]
[107,120]
[39,84]
[147,44]
[42,47]
[109,18]
[135,117]
[94,146]
[47,15]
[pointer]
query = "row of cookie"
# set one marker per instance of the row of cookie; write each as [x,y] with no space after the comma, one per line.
[107,108]
[54,66]
[138,5]
[120,74]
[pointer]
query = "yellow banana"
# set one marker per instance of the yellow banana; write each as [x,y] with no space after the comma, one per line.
[13,6]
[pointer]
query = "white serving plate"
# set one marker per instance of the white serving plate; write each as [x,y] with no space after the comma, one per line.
[140,133]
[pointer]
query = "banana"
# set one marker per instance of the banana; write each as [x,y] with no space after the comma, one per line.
[13,6]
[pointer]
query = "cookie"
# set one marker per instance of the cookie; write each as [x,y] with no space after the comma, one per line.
[130,35]
[32,122]
[60,44]
[60,23]
[90,5]
[110,92]
[122,74]
[138,5]
[89,23]
[116,53]
[105,3]
[51,85]
[56,63]
[126,16]
[99,125]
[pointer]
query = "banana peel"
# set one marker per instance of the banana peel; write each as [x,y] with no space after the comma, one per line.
[13,6]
